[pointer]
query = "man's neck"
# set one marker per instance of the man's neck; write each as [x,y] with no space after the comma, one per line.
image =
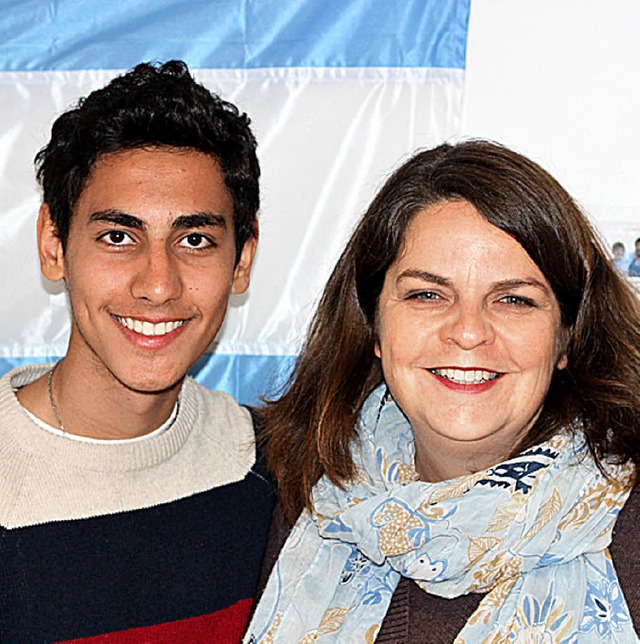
[91,402]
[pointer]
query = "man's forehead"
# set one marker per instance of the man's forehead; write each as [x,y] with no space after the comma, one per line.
[176,182]
[144,162]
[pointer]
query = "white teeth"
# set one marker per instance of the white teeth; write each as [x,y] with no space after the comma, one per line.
[148,328]
[471,377]
[172,326]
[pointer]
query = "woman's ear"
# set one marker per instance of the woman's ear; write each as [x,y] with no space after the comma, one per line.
[563,346]
[49,246]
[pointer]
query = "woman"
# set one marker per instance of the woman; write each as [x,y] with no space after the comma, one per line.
[464,414]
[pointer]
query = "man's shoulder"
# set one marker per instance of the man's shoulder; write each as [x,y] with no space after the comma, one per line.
[11,412]
[222,426]
[218,410]
[24,375]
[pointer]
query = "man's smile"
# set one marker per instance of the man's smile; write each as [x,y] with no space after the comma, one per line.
[147,328]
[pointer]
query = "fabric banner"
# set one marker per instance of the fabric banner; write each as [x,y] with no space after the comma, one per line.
[339,93]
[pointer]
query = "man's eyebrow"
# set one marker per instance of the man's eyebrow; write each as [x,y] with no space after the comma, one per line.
[118,218]
[199,220]
[196,220]
[425,276]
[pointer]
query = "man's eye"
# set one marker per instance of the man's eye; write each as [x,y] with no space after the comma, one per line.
[116,238]
[196,240]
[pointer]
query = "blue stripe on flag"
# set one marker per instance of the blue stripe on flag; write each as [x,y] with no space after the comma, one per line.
[232,34]
[246,377]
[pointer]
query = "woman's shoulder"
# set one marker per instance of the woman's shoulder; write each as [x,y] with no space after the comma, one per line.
[278,533]
[624,552]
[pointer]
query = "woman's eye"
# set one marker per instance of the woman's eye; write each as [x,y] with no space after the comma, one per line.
[116,238]
[423,295]
[517,300]
[196,240]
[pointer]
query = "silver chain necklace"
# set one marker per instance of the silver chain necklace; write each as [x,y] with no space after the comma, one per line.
[56,413]
[51,400]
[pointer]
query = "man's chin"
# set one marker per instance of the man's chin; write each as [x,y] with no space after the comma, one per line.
[153,386]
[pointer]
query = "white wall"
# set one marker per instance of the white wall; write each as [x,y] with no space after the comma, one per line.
[558,81]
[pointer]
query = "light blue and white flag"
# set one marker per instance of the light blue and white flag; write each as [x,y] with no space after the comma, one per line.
[339,92]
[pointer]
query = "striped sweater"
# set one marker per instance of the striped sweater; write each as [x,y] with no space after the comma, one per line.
[158,540]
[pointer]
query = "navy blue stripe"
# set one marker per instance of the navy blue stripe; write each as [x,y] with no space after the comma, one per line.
[79,578]
[247,378]
[232,34]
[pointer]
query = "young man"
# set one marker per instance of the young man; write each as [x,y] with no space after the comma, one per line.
[131,499]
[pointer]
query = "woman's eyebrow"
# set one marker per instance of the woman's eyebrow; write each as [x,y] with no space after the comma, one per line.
[519,283]
[425,276]
[495,286]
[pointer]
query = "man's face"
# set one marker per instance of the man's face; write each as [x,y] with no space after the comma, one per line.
[149,265]
[638,249]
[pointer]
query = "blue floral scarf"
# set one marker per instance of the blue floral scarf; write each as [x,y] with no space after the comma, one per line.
[532,533]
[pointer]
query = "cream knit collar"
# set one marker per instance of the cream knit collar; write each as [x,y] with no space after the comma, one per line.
[103,456]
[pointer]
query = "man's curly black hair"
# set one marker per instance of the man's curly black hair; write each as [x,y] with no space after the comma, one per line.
[151,105]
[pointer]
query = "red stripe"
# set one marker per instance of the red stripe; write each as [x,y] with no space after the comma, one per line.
[226,626]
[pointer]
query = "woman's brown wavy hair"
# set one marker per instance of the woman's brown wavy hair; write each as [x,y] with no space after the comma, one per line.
[309,429]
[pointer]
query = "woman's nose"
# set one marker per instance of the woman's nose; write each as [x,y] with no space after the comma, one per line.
[468,327]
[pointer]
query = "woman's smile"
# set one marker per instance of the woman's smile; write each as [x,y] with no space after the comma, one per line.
[466,380]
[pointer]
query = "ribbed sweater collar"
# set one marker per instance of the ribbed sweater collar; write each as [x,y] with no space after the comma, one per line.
[19,432]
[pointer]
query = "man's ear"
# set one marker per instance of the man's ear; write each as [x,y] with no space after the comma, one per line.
[49,246]
[242,271]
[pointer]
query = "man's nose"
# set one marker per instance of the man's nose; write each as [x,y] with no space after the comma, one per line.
[157,279]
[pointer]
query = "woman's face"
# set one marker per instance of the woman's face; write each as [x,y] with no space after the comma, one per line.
[469,336]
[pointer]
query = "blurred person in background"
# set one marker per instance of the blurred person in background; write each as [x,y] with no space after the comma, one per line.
[634,265]
[620,262]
